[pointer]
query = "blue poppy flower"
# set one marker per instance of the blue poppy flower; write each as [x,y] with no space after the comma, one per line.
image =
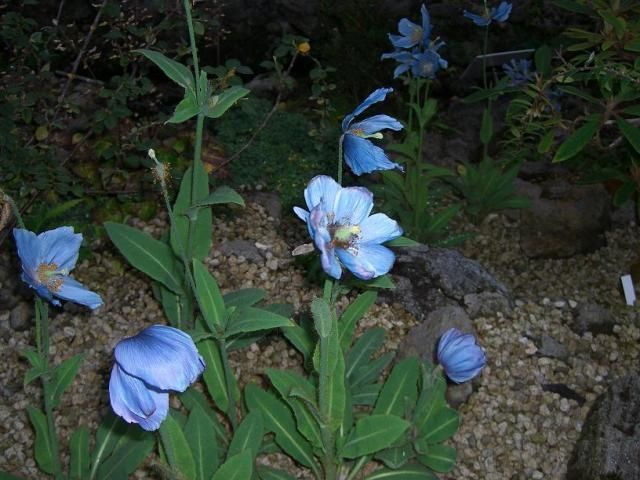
[361,155]
[499,14]
[412,34]
[405,59]
[47,260]
[519,71]
[460,356]
[428,63]
[148,365]
[339,223]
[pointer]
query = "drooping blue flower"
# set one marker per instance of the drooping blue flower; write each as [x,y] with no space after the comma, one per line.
[499,14]
[460,356]
[519,71]
[405,60]
[47,260]
[342,230]
[149,365]
[428,64]
[361,155]
[412,34]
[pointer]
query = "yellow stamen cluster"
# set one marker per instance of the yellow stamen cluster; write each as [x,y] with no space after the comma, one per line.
[48,276]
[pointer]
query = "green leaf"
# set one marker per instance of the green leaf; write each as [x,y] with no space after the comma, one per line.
[332,394]
[371,371]
[632,110]
[624,193]
[63,376]
[193,399]
[577,92]
[200,433]
[402,242]
[576,142]
[573,6]
[147,254]
[486,127]
[213,374]
[248,436]
[131,450]
[200,227]
[543,60]
[366,394]
[442,425]
[7,476]
[395,457]
[400,391]
[176,447]
[546,141]
[633,45]
[251,319]
[279,420]
[220,195]
[186,109]
[43,448]
[372,434]
[209,297]
[430,400]
[370,341]
[111,429]
[238,467]
[79,454]
[322,316]
[301,339]
[441,458]
[218,104]
[631,133]
[177,308]
[174,70]
[246,297]
[408,472]
[353,313]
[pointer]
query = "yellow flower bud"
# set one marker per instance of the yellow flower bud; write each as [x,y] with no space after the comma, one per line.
[304,48]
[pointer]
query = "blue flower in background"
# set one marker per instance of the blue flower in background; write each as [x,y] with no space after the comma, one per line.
[339,223]
[148,365]
[47,260]
[412,34]
[460,356]
[427,64]
[519,71]
[499,14]
[405,59]
[361,155]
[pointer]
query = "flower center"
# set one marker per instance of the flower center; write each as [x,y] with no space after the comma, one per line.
[343,236]
[49,276]
[359,132]
[416,35]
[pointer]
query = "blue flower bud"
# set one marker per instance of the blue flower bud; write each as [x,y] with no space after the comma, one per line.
[460,356]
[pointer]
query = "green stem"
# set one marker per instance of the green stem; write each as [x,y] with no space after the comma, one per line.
[14,208]
[46,392]
[192,39]
[231,411]
[485,47]
[340,159]
[356,467]
[412,86]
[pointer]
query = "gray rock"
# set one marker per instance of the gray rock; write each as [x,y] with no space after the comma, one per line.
[486,303]
[564,219]
[550,347]
[242,248]
[609,446]
[594,318]
[429,278]
[21,316]
[270,202]
[457,395]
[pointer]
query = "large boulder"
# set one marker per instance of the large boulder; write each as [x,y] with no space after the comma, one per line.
[564,219]
[609,446]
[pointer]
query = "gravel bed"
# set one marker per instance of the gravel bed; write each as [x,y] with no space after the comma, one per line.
[511,428]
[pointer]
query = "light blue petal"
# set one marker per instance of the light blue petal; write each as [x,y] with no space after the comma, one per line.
[379,228]
[460,356]
[329,262]
[321,188]
[367,261]
[501,14]
[400,41]
[362,156]
[163,357]
[426,23]
[375,97]
[29,251]
[74,291]
[407,28]
[301,213]
[479,20]
[132,400]
[376,123]
[352,205]
[60,246]
[400,69]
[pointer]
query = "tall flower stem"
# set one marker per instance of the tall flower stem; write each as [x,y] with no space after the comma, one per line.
[232,414]
[485,48]
[339,178]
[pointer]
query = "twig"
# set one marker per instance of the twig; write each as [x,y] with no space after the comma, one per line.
[266,118]
[72,76]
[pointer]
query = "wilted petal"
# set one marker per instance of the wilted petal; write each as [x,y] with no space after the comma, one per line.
[163,357]
[60,247]
[479,20]
[426,23]
[367,261]
[379,228]
[135,402]
[321,188]
[376,123]
[501,14]
[362,156]
[76,292]
[352,205]
[301,213]
[375,97]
